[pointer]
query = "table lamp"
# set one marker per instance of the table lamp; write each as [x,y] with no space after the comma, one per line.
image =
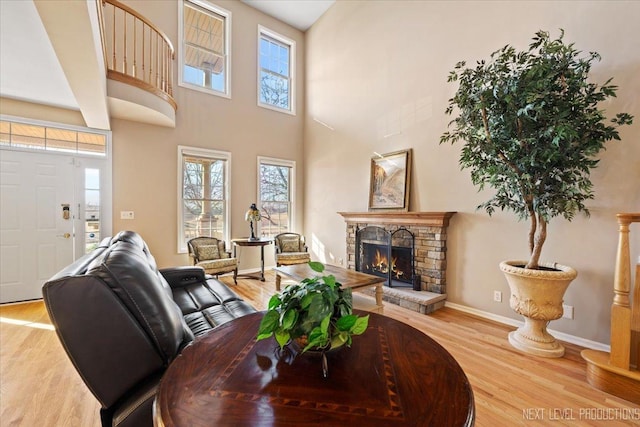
[252,215]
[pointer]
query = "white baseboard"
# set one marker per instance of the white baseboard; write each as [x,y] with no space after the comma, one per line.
[582,342]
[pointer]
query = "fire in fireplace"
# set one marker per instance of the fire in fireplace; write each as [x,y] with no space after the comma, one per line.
[387,254]
[376,261]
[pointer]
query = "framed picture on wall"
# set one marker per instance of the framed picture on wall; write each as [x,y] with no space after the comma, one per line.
[390,179]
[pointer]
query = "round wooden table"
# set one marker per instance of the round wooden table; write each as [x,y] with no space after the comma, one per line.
[393,375]
[261,242]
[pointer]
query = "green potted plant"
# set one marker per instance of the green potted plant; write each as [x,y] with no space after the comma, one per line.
[316,313]
[532,130]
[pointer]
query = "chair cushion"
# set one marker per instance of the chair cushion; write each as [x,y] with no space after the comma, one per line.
[290,244]
[293,258]
[219,265]
[207,252]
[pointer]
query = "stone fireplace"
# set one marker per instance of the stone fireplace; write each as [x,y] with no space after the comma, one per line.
[429,251]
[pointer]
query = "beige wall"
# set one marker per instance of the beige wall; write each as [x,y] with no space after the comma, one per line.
[16,108]
[376,75]
[145,156]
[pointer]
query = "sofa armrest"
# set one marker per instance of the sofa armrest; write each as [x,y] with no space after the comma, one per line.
[178,277]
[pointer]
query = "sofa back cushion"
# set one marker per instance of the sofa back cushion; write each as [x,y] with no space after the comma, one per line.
[108,347]
[116,320]
[127,270]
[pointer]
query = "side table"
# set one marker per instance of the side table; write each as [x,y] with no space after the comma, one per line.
[248,242]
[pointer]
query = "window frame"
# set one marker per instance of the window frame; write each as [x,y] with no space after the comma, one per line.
[291,44]
[186,151]
[215,9]
[271,161]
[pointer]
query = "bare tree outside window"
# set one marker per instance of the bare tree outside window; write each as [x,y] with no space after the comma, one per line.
[274,90]
[204,197]
[275,71]
[275,199]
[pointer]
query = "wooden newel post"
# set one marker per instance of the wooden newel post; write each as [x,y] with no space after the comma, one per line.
[612,372]
[621,310]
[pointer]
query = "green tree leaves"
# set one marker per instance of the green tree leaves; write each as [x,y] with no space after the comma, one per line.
[531,129]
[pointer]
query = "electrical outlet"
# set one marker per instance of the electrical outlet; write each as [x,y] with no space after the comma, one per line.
[497,296]
[126,215]
[567,311]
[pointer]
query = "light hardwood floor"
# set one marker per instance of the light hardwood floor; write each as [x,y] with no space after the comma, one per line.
[40,387]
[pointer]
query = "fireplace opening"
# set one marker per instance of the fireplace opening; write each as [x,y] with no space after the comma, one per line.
[387,254]
[376,261]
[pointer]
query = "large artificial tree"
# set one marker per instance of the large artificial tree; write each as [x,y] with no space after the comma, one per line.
[532,129]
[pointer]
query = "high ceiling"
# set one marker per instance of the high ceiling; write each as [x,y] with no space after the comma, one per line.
[300,14]
[30,69]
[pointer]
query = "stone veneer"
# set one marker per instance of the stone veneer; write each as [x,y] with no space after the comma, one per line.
[430,231]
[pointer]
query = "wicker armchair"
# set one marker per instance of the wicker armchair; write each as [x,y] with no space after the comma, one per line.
[290,249]
[210,254]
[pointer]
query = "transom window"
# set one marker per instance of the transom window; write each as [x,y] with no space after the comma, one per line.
[204,190]
[204,57]
[28,136]
[276,71]
[276,189]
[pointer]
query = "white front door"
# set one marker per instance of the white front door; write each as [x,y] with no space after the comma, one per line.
[40,230]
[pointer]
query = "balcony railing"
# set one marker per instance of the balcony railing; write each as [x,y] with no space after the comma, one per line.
[136,52]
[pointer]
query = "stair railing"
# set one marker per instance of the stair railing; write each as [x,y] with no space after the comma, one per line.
[135,50]
[625,317]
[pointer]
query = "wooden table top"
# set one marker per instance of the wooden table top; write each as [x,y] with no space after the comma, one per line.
[393,375]
[247,242]
[348,278]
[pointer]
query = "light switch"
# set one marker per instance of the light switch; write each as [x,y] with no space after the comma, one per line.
[126,215]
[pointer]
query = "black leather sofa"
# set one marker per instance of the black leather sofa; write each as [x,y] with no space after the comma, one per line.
[122,321]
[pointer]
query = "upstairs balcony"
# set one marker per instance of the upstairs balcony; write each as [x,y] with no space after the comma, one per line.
[139,59]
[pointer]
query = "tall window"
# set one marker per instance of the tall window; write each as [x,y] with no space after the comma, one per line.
[277,187]
[276,71]
[205,47]
[204,190]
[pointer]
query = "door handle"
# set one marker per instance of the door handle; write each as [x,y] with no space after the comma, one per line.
[64,236]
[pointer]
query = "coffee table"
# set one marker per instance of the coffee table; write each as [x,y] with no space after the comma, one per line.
[348,278]
[393,375]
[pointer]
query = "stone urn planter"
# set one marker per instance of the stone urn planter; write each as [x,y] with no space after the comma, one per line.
[537,295]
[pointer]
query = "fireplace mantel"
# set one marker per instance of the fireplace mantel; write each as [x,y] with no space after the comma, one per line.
[429,219]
